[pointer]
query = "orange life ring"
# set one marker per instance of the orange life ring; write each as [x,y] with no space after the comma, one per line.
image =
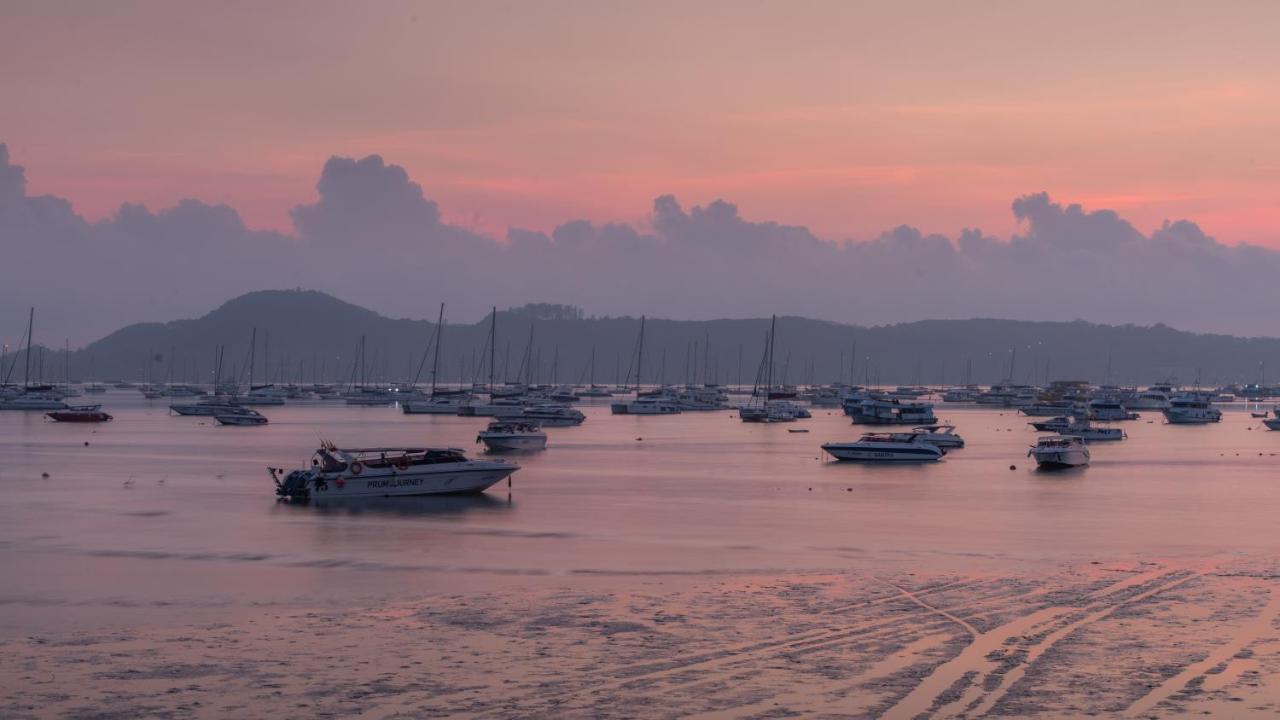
[356,468]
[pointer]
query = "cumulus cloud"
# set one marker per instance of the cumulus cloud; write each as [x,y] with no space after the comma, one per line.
[373,237]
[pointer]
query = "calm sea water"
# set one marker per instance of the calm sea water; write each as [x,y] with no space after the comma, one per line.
[161,516]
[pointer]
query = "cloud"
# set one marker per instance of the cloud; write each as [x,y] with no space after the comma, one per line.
[373,237]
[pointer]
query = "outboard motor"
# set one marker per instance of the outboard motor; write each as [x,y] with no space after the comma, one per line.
[294,486]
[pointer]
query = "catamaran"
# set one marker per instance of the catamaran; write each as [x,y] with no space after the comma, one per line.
[384,472]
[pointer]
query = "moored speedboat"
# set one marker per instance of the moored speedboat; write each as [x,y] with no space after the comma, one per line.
[553,415]
[504,436]
[1060,452]
[383,472]
[887,447]
[1089,433]
[33,401]
[242,416]
[80,414]
[944,436]
[1053,424]
[646,406]
[207,407]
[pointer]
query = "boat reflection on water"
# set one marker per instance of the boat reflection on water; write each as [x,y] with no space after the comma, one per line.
[404,506]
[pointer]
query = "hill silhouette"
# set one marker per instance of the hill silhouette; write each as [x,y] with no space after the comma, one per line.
[309,335]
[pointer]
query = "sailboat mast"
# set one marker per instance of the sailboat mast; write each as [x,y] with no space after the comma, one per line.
[253,348]
[435,362]
[493,346]
[640,355]
[26,373]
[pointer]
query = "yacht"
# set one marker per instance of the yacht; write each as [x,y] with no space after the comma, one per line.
[1060,452]
[1049,408]
[240,416]
[1053,424]
[887,447]
[1089,433]
[433,404]
[944,436]
[263,395]
[1150,399]
[892,412]
[1109,411]
[208,407]
[966,394]
[773,411]
[1191,409]
[553,415]
[646,406]
[80,414]
[33,401]
[502,436]
[383,472]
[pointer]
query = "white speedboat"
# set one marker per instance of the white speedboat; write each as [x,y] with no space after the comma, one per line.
[1089,433]
[433,404]
[1053,424]
[887,447]
[1060,452]
[512,436]
[240,416]
[382,472]
[264,395]
[646,406]
[1191,410]
[208,407]
[33,401]
[944,436]
[553,415]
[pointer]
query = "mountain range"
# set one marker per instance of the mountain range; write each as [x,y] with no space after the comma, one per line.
[312,336]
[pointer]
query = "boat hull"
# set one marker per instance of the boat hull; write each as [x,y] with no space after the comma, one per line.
[852,452]
[514,443]
[471,477]
[1060,459]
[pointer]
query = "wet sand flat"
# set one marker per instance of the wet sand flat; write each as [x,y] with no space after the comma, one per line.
[1109,639]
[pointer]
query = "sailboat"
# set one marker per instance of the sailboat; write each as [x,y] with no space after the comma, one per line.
[438,402]
[652,404]
[31,397]
[763,406]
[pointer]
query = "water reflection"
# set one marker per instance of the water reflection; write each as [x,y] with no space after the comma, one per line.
[434,506]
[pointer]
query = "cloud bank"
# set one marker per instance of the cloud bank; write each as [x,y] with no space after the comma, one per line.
[372,237]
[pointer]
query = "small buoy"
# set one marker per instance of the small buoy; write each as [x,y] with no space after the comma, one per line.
[1013,467]
[848,489]
[86,443]
[639,439]
[810,489]
[44,475]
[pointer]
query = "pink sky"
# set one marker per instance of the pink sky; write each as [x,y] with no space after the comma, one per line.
[846,117]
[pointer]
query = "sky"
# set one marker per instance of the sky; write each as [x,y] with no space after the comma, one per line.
[847,124]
